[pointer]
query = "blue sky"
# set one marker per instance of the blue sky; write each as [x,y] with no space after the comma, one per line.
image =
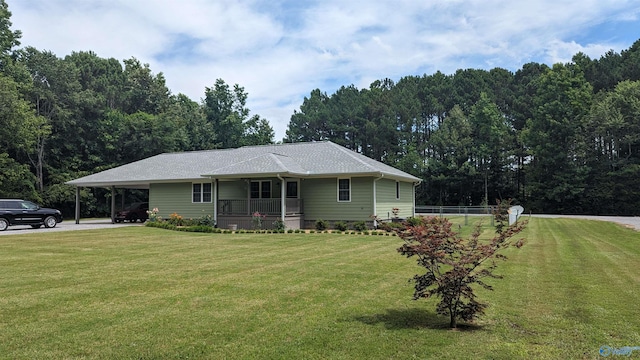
[280,50]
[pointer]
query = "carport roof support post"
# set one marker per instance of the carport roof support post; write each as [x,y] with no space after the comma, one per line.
[113,204]
[77,205]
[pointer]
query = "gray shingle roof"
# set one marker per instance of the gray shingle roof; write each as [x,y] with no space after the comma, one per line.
[311,159]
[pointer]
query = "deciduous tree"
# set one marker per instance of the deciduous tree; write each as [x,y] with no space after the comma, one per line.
[8,38]
[454,265]
[227,113]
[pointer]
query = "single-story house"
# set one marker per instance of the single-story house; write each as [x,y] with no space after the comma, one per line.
[297,183]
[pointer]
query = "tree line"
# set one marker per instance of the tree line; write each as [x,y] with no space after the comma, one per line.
[556,139]
[63,118]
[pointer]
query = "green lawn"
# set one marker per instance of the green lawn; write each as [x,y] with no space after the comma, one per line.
[147,293]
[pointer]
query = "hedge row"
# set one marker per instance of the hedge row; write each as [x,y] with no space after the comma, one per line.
[208,229]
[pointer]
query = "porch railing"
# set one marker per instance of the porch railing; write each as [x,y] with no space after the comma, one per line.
[263,206]
[294,206]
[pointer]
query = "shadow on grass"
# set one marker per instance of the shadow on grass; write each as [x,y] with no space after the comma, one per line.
[395,319]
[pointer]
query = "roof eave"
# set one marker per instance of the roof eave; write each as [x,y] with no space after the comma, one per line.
[385,175]
[254,175]
[130,184]
[108,184]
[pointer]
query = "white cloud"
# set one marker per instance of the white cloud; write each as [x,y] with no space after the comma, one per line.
[280,50]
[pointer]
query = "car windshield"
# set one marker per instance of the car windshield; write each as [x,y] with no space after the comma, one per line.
[29,205]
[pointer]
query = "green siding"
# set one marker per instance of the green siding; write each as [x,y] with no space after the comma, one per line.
[320,198]
[232,189]
[176,198]
[386,198]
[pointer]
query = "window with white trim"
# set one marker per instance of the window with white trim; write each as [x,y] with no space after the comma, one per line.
[344,190]
[260,189]
[201,193]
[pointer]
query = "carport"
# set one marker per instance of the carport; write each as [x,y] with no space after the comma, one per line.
[139,175]
[114,189]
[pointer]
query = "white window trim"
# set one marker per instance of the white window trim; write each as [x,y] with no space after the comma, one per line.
[338,190]
[201,193]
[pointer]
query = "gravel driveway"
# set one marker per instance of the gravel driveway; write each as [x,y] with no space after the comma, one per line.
[68,225]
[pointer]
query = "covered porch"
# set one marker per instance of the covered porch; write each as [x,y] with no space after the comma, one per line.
[240,213]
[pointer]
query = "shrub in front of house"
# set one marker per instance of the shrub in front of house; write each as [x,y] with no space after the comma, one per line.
[340,225]
[200,228]
[278,225]
[161,224]
[321,225]
[206,220]
[176,219]
[360,226]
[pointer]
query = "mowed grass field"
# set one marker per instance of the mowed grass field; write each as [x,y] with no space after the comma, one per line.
[147,293]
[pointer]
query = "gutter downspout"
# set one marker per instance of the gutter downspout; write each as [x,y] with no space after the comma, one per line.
[375,200]
[283,198]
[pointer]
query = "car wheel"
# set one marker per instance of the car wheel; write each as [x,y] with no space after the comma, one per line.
[36,226]
[118,221]
[133,219]
[3,224]
[50,222]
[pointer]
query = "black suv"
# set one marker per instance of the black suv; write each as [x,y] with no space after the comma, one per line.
[22,212]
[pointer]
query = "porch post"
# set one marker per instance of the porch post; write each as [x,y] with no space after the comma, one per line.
[113,204]
[415,185]
[77,205]
[215,201]
[375,200]
[283,198]
[248,196]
